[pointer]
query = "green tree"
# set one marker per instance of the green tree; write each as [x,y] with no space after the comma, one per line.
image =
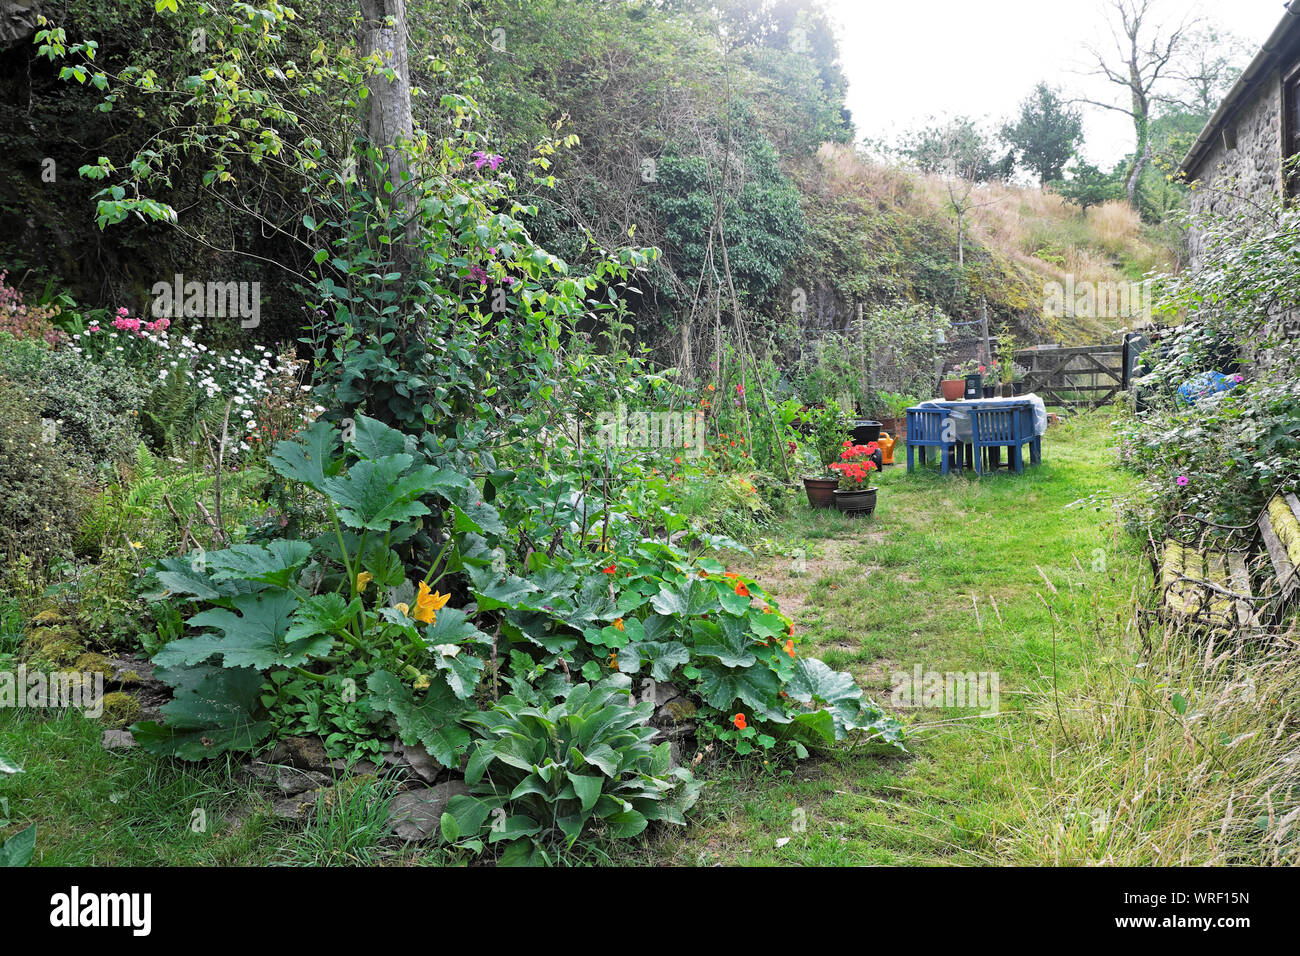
[1089,186]
[1046,135]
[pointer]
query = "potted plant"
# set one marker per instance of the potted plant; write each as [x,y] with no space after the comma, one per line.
[893,412]
[1018,373]
[1006,363]
[826,432]
[855,494]
[971,374]
[954,386]
[992,379]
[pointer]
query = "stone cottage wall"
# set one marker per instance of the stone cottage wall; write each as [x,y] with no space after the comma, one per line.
[1230,180]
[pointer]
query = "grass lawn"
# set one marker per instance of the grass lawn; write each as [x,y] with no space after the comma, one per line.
[1025,576]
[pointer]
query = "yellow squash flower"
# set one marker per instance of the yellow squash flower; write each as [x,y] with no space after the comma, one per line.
[364,579]
[427,602]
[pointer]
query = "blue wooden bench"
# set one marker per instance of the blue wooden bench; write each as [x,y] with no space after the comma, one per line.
[994,427]
[930,428]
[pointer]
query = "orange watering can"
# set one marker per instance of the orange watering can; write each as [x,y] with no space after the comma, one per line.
[887,447]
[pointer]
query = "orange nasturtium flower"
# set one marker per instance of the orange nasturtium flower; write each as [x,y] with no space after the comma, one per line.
[363,580]
[741,589]
[611,569]
[426,602]
[618,624]
[613,660]
[739,721]
[789,648]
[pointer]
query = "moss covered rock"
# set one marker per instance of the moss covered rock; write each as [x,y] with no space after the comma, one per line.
[91,663]
[120,709]
[57,645]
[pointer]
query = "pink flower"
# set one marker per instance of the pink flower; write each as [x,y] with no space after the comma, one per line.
[1183,481]
[490,160]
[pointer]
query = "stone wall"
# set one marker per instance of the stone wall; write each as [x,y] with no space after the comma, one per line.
[1251,173]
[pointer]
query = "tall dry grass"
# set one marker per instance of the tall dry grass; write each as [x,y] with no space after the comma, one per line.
[1183,751]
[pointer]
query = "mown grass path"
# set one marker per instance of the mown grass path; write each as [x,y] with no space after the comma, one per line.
[1018,575]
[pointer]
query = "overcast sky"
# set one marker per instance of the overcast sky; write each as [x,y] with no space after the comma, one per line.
[909,59]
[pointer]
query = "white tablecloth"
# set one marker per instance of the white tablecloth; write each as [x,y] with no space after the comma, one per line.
[960,412]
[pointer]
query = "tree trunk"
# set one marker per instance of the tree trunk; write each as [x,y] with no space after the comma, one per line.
[388,117]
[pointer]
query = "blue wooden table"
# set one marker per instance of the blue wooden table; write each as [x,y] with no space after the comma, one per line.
[974,432]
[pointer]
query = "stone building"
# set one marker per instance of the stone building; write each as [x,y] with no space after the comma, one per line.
[1238,158]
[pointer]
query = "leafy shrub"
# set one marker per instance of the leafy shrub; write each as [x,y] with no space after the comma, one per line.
[543,773]
[96,405]
[41,494]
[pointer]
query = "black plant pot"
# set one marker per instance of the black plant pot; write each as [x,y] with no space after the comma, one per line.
[856,503]
[1017,388]
[990,391]
[974,386]
[865,431]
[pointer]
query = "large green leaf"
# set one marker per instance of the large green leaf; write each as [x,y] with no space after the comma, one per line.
[663,656]
[379,494]
[814,682]
[757,687]
[433,720]
[371,438]
[18,849]
[493,590]
[687,600]
[309,457]
[727,641]
[210,713]
[253,634]
[322,614]
[276,563]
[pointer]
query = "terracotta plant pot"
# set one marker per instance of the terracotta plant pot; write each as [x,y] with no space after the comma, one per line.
[953,389]
[821,491]
[856,503]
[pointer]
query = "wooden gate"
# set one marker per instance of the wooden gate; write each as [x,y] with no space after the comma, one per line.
[1075,377]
